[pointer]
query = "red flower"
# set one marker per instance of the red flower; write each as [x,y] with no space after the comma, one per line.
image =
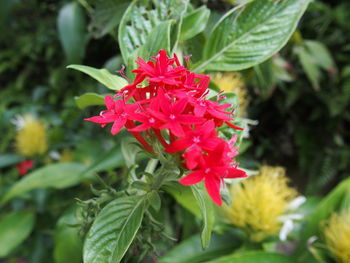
[168,102]
[160,72]
[204,137]
[213,170]
[171,114]
[24,166]
[213,177]
[117,112]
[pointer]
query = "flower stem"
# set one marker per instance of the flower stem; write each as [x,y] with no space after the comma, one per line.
[151,166]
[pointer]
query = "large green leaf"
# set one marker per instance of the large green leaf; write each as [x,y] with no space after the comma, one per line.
[159,38]
[106,15]
[207,209]
[194,23]
[255,257]
[14,229]
[145,28]
[114,230]
[190,250]
[9,159]
[89,99]
[59,176]
[71,28]
[68,243]
[248,35]
[111,81]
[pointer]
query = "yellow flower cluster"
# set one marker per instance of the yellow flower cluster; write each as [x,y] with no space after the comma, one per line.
[337,236]
[31,136]
[259,201]
[233,81]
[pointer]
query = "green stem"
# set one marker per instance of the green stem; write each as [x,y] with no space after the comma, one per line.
[151,166]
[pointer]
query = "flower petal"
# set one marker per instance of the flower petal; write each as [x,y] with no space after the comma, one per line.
[118,125]
[212,184]
[192,178]
[178,146]
[235,173]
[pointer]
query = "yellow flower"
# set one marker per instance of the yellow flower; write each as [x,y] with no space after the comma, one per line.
[259,201]
[31,136]
[337,236]
[233,81]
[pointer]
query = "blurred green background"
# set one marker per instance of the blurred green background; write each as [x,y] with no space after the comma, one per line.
[298,101]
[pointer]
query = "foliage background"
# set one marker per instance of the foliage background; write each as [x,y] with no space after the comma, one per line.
[301,103]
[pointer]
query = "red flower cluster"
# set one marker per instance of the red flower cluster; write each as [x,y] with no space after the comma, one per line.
[172,108]
[24,166]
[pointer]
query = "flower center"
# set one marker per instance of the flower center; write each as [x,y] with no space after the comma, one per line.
[152,120]
[196,139]
[207,170]
[172,117]
[124,114]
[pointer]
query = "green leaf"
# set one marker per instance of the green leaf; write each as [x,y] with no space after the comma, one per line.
[58,176]
[320,53]
[107,161]
[248,35]
[114,230]
[145,28]
[68,245]
[129,150]
[264,78]
[331,203]
[106,16]
[154,200]
[89,99]
[310,66]
[190,250]
[184,196]
[194,46]
[14,229]
[255,257]
[111,81]
[194,23]
[71,29]
[207,209]
[158,39]
[9,159]
[114,63]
